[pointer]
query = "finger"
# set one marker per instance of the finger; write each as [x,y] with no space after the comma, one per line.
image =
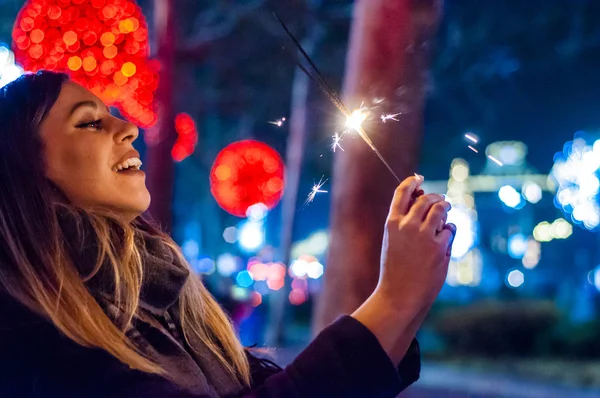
[436,215]
[423,205]
[452,229]
[416,195]
[440,226]
[444,238]
[404,194]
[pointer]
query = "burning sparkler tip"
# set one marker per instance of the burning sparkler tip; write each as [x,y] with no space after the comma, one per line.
[355,120]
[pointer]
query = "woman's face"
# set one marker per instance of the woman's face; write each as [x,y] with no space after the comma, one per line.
[87,153]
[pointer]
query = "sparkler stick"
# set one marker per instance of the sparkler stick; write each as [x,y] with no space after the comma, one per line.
[324,85]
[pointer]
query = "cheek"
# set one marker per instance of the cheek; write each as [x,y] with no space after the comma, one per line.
[75,158]
[77,170]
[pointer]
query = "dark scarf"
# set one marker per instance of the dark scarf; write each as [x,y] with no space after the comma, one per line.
[163,279]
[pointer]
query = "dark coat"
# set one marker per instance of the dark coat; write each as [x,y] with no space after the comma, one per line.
[345,360]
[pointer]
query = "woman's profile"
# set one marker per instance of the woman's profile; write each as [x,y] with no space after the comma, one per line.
[96,301]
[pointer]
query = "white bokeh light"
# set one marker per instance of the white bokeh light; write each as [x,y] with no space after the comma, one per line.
[509,196]
[9,71]
[251,236]
[517,246]
[576,170]
[515,278]
[466,233]
[532,192]
[257,212]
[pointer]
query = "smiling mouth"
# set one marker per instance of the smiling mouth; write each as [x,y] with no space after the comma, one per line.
[129,165]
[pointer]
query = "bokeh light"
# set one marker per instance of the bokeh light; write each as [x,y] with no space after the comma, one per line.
[515,278]
[9,71]
[246,173]
[187,137]
[466,233]
[517,245]
[230,235]
[532,192]
[227,264]
[102,45]
[251,236]
[244,279]
[576,172]
[546,232]
[510,197]
[306,266]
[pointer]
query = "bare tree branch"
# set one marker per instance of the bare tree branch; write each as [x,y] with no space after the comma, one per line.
[216,24]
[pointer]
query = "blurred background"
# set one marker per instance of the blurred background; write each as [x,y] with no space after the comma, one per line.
[250,167]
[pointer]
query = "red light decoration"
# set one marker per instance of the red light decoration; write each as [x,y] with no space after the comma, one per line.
[102,44]
[246,173]
[187,137]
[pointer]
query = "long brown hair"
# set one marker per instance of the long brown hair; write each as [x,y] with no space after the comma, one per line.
[35,265]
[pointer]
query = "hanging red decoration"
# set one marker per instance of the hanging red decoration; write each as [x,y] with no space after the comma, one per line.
[246,173]
[187,137]
[102,44]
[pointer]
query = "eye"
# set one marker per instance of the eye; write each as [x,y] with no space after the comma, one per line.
[95,125]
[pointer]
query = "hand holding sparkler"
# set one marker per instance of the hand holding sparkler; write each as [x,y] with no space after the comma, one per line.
[414,263]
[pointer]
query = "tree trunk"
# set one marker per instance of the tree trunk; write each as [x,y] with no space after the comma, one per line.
[387,58]
[161,137]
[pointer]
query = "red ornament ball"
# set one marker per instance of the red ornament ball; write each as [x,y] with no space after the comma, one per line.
[246,173]
[102,44]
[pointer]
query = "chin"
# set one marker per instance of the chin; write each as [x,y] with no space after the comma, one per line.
[135,207]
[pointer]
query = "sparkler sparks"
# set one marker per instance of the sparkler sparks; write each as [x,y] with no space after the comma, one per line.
[471,138]
[278,122]
[354,119]
[389,116]
[315,190]
[493,159]
[336,142]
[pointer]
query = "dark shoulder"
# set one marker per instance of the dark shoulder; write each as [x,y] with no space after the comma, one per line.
[37,360]
[19,324]
[260,368]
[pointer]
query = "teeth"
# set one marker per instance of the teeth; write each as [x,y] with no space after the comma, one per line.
[131,163]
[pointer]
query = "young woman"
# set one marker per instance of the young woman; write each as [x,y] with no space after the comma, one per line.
[97,302]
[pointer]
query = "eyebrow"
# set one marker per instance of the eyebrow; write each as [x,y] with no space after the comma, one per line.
[78,105]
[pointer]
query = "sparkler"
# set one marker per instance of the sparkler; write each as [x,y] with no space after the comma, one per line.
[336,142]
[354,119]
[278,122]
[389,116]
[315,190]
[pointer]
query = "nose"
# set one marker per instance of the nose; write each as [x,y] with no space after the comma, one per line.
[128,132]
